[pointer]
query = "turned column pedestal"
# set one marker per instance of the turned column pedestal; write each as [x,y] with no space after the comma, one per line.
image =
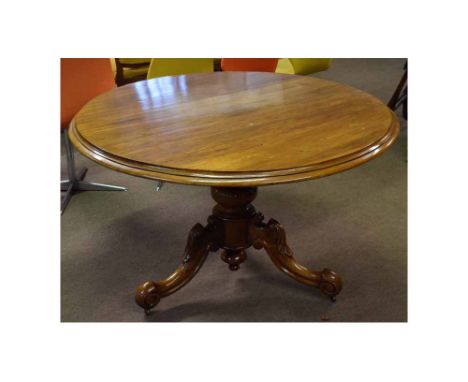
[233,227]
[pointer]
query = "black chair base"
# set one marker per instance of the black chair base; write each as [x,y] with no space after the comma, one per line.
[400,96]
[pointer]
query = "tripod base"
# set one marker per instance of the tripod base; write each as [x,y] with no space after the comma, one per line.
[235,226]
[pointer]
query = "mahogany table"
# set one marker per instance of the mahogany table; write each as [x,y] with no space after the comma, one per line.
[234,131]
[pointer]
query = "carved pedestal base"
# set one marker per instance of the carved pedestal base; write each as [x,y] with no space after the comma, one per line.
[235,226]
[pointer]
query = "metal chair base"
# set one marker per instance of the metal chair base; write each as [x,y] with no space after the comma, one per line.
[75,182]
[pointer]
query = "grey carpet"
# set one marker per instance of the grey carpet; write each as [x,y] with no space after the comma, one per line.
[354,222]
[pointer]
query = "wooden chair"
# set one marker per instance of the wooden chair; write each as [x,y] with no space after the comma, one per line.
[128,70]
[81,79]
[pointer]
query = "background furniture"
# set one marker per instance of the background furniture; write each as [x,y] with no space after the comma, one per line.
[248,64]
[161,67]
[81,79]
[217,64]
[128,70]
[277,141]
[302,66]
[400,96]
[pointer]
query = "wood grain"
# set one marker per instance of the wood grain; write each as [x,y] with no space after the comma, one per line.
[233,128]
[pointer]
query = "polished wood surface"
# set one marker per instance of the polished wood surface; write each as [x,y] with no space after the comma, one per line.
[235,226]
[233,128]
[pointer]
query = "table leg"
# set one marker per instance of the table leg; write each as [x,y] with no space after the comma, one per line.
[272,237]
[200,242]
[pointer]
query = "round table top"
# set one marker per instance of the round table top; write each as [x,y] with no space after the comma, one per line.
[233,128]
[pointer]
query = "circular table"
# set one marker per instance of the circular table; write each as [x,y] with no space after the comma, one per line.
[234,131]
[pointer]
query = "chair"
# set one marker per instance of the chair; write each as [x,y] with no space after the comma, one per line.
[161,67]
[81,79]
[249,64]
[128,70]
[302,66]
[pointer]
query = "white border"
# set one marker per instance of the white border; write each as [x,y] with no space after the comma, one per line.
[36,346]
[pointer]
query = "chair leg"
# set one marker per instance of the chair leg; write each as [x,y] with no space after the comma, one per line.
[405,109]
[66,198]
[82,174]
[401,89]
[159,185]
[64,184]
[91,186]
[70,158]
[75,182]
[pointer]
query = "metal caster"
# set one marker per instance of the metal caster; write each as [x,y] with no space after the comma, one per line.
[159,185]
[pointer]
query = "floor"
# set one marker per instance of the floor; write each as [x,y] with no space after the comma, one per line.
[354,222]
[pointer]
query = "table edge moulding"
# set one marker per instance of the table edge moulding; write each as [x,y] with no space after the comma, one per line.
[245,178]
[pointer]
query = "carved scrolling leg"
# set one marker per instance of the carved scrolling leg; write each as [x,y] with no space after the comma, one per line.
[272,237]
[201,241]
